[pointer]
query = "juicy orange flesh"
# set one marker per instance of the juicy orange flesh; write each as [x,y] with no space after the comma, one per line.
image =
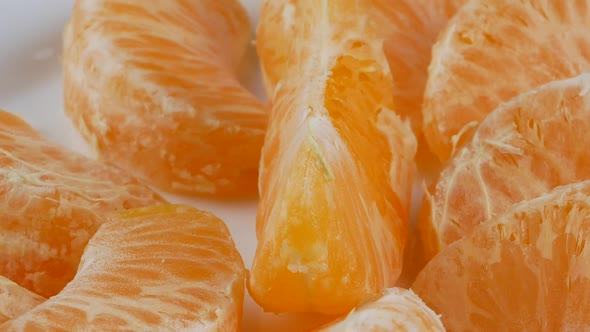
[524,270]
[331,219]
[175,112]
[154,267]
[52,202]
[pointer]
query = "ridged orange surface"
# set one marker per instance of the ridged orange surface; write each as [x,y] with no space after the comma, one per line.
[526,270]
[15,300]
[160,268]
[337,167]
[409,27]
[523,149]
[52,200]
[493,50]
[152,86]
[397,309]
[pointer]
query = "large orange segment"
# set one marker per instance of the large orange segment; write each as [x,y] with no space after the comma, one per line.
[527,270]
[337,168]
[15,300]
[524,148]
[153,87]
[51,202]
[165,268]
[397,309]
[494,50]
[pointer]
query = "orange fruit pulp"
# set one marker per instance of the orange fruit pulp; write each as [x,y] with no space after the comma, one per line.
[524,148]
[52,200]
[153,87]
[524,270]
[337,167]
[493,50]
[164,267]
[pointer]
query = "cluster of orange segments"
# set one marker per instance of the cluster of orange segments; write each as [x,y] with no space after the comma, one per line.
[488,99]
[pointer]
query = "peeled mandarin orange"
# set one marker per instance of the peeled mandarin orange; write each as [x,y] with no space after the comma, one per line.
[493,50]
[51,202]
[409,27]
[336,171]
[397,309]
[526,270]
[165,268]
[153,87]
[15,300]
[524,148]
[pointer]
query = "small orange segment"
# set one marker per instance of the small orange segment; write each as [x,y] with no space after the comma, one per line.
[51,202]
[493,50]
[337,167]
[397,309]
[523,149]
[153,87]
[15,300]
[165,268]
[525,270]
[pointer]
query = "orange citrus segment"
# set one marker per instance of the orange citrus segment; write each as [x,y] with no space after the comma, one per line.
[397,309]
[493,50]
[152,86]
[15,300]
[336,171]
[524,148]
[526,270]
[51,202]
[165,268]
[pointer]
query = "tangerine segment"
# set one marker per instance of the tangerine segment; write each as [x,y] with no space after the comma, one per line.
[152,86]
[494,50]
[397,309]
[524,148]
[526,270]
[15,300]
[165,267]
[51,202]
[337,169]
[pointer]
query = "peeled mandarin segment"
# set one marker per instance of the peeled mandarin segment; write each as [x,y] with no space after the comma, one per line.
[336,171]
[15,300]
[165,268]
[492,51]
[526,270]
[410,27]
[153,87]
[396,309]
[523,149]
[51,202]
